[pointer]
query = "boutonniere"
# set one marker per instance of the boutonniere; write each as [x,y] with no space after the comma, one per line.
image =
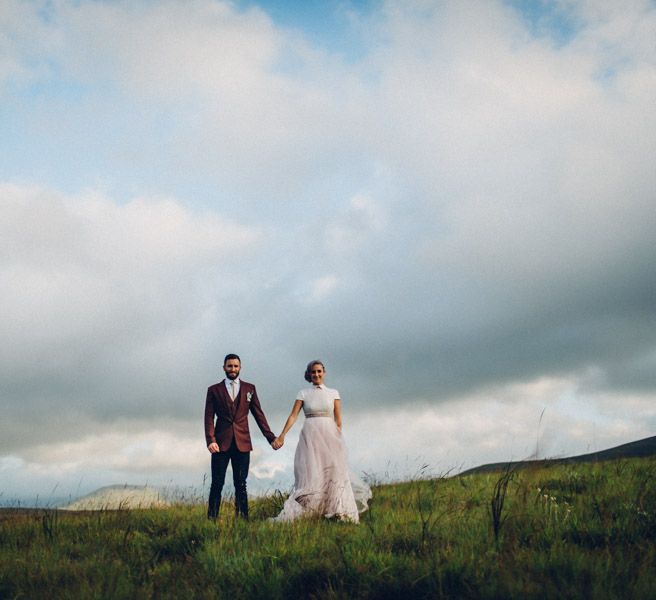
[249,395]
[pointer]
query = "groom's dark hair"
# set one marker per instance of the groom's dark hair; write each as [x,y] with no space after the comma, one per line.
[229,357]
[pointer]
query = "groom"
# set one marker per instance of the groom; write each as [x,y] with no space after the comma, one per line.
[228,439]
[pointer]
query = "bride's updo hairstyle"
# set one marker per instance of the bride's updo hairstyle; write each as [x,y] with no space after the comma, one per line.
[308,369]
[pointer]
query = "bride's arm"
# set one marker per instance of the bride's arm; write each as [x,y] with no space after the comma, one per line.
[338,414]
[291,419]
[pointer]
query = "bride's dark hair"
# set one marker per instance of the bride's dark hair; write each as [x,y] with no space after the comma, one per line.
[308,369]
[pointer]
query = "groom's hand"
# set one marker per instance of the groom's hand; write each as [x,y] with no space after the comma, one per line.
[213,447]
[277,444]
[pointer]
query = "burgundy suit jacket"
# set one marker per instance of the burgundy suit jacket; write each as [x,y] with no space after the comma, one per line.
[232,417]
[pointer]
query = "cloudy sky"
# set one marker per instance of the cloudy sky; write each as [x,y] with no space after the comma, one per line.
[451,203]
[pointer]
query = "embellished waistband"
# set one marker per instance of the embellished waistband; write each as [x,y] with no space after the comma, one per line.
[317,414]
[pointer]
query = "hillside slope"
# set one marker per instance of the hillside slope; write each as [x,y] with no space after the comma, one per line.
[113,497]
[638,449]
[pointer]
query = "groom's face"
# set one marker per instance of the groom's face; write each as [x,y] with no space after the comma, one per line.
[232,367]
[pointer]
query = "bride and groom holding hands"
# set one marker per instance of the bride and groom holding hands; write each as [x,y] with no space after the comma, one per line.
[323,483]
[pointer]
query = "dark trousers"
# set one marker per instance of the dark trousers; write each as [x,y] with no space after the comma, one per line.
[240,463]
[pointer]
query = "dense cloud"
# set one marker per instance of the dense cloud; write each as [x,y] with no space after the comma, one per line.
[463,211]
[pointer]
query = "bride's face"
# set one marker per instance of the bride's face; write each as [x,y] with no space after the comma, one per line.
[316,374]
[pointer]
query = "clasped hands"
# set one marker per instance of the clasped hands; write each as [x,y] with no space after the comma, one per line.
[275,444]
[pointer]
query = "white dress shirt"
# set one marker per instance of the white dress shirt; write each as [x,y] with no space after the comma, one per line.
[228,384]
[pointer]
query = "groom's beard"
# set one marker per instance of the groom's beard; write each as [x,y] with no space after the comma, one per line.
[232,375]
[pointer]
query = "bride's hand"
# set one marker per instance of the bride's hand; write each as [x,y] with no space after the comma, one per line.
[277,443]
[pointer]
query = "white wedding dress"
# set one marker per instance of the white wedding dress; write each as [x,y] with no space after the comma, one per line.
[323,483]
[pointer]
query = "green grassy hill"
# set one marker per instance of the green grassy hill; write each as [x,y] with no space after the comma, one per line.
[580,530]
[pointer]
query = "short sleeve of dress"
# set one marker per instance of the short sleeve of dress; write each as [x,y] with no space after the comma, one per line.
[336,395]
[301,396]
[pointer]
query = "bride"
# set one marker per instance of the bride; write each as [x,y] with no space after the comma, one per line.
[323,483]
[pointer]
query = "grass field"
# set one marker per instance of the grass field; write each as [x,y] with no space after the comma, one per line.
[569,531]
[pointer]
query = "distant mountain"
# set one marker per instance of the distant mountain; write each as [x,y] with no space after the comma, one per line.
[114,497]
[639,449]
